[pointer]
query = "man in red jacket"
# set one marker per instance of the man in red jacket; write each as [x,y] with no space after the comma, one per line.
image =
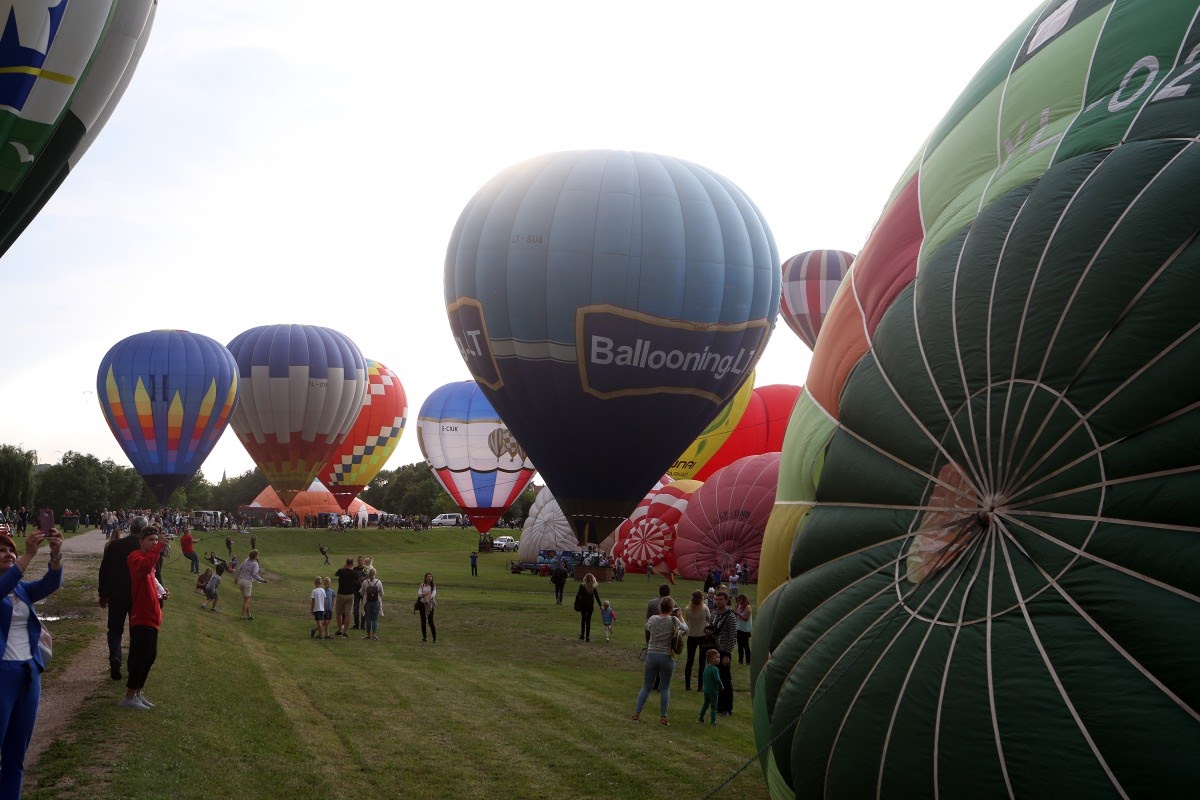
[145,616]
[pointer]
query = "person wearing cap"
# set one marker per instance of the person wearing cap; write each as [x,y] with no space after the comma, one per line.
[22,664]
[145,616]
[114,588]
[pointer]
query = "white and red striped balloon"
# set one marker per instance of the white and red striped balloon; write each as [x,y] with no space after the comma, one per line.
[647,538]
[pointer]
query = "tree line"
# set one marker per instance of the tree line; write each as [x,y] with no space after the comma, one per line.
[81,481]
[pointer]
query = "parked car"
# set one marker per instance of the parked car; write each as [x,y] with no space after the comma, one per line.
[505,543]
[447,521]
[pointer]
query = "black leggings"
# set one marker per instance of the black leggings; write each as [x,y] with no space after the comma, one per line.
[143,649]
[693,644]
[432,627]
[585,622]
[743,639]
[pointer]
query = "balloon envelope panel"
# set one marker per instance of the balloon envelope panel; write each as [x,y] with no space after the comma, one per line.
[167,397]
[726,517]
[472,452]
[994,562]
[595,296]
[760,430]
[546,528]
[373,437]
[302,388]
[63,69]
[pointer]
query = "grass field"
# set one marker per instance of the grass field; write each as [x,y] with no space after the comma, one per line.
[507,703]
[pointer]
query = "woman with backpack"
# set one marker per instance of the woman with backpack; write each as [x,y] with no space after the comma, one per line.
[372,592]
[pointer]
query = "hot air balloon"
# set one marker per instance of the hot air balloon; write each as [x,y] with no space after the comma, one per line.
[545,528]
[65,66]
[725,519]
[810,280]
[472,453]
[647,538]
[302,388]
[713,438]
[314,500]
[167,397]
[994,582]
[760,429]
[371,440]
[609,304]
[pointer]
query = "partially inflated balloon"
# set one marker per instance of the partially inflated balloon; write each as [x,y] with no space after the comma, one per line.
[992,474]
[609,303]
[760,430]
[713,438]
[472,453]
[810,281]
[546,528]
[64,66]
[372,439]
[725,518]
[647,538]
[167,397]
[302,388]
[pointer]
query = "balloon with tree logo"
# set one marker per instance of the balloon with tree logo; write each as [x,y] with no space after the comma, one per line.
[302,388]
[167,396]
[725,518]
[810,280]
[991,475]
[472,453]
[65,66]
[609,303]
[371,440]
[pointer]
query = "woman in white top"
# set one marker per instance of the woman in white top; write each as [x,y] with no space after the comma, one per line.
[696,616]
[660,661]
[247,574]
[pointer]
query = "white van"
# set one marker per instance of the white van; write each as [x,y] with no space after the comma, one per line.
[447,520]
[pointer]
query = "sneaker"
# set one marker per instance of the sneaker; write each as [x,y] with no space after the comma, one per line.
[132,702]
[203,605]
[114,669]
[141,698]
[312,632]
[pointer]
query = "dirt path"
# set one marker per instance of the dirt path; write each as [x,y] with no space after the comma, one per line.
[67,684]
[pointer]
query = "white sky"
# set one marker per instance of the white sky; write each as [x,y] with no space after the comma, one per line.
[289,161]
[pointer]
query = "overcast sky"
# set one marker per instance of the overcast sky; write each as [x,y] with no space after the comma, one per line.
[289,161]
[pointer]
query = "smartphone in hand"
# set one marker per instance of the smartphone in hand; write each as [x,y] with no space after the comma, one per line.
[46,520]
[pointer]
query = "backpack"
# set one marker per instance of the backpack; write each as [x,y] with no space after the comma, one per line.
[373,592]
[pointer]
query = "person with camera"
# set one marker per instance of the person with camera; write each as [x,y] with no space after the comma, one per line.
[660,660]
[23,661]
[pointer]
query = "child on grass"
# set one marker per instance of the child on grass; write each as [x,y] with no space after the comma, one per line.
[608,617]
[712,685]
[210,591]
[317,608]
[329,593]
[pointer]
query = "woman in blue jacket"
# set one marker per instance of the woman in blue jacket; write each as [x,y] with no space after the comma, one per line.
[22,665]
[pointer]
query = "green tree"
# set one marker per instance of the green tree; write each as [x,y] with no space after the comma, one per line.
[16,476]
[78,481]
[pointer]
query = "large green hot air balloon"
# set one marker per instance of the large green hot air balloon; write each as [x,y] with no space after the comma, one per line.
[990,480]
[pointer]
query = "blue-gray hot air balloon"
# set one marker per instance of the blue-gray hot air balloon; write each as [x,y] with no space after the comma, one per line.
[609,303]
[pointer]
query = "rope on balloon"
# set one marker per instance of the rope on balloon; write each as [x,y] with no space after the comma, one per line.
[950,551]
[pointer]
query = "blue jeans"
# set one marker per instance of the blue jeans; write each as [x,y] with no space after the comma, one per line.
[20,692]
[370,617]
[661,666]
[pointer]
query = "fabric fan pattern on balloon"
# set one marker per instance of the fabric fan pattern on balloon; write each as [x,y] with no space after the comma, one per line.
[990,478]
